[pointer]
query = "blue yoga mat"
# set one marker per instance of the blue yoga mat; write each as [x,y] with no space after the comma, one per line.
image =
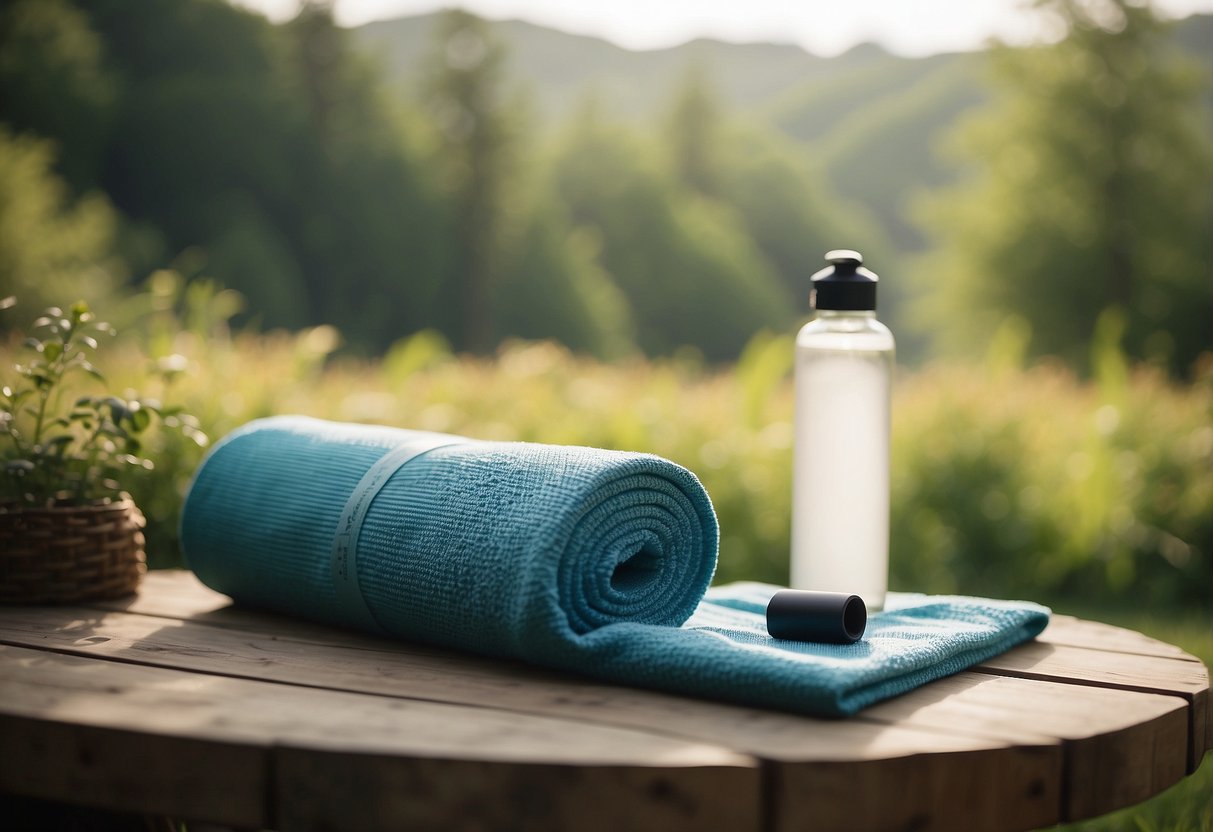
[577,558]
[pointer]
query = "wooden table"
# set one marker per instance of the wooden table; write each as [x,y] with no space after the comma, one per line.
[177,703]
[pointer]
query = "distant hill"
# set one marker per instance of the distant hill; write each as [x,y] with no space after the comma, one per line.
[560,68]
[869,119]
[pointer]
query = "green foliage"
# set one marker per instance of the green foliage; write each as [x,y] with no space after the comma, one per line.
[690,271]
[1104,198]
[52,82]
[464,96]
[79,453]
[1006,481]
[267,149]
[1024,482]
[791,217]
[273,159]
[50,245]
[693,134]
[882,155]
[554,288]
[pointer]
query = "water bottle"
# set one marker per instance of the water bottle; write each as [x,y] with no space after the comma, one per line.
[840,485]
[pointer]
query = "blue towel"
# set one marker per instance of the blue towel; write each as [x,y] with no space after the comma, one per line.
[582,559]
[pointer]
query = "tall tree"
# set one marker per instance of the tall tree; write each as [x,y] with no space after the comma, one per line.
[1092,188]
[52,83]
[53,250]
[692,130]
[687,265]
[465,94]
[373,215]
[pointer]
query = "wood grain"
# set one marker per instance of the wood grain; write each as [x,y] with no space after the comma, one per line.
[798,747]
[921,792]
[1100,668]
[410,671]
[1076,632]
[180,594]
[128,737]
[1089,718]
[1119,747]
[324,791]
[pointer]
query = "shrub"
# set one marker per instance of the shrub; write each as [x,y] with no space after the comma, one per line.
[1006,482]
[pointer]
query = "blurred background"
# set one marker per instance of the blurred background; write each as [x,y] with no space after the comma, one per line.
[594,223]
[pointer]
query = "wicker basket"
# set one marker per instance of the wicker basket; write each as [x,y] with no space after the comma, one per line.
[70,553]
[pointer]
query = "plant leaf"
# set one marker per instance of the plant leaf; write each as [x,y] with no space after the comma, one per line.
[140,419]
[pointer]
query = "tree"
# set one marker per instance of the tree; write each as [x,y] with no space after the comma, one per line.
[465,96]
[554,287]
[794,218]
[205,144]
[52,83]
[374,217]
[272,150]
[693,129]
[1092,188]
[690,271]
[52,250]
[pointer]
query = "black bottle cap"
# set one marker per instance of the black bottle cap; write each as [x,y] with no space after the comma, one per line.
[804,615]
[845,284]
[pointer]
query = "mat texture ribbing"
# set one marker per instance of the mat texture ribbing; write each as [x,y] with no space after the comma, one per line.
[583,559]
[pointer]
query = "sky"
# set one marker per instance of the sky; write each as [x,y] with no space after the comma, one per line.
[908,27]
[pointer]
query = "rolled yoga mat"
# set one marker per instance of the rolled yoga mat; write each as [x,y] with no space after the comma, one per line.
[577,558]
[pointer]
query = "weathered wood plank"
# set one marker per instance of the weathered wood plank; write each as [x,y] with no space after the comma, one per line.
[1077,632]
[1120,747]
[119,695]
[402,669]
[176,593]
[1148,674]
[128,770]
[324,791]
[132,737]
[920,792]
[168,593]
[388,668]
[975,718]
[67,734]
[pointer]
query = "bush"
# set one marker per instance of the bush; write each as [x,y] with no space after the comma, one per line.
[1034,484]
[1006,482]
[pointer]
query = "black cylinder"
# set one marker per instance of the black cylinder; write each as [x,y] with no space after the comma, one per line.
[804,615]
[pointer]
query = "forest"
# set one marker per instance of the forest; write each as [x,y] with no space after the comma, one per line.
[489,181]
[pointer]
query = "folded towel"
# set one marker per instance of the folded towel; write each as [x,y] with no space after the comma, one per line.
[915,639]
[577,558]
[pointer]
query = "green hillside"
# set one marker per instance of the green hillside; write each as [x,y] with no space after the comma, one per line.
[871,121]
[560,68]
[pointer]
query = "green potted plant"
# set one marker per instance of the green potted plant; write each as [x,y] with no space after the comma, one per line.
[68,530]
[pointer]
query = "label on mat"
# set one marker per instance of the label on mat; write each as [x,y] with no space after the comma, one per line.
[345,543]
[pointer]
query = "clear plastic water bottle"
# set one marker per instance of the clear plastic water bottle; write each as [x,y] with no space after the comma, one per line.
[840,488]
